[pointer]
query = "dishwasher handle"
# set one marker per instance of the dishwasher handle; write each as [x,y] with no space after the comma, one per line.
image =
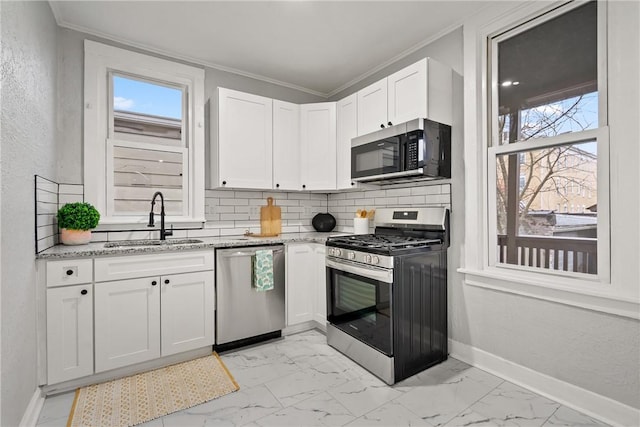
[250,252]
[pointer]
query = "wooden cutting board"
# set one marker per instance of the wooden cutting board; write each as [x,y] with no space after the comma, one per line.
[270,219]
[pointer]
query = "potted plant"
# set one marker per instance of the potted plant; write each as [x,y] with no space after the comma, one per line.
[76,221]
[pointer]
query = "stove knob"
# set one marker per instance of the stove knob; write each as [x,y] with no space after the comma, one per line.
[338,252]
[375,260]
[367,259]
[331,251]
[351,255]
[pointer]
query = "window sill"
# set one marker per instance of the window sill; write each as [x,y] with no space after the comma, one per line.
[109,224]
[548,290]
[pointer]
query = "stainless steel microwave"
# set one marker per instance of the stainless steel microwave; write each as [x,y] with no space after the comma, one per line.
[415,150]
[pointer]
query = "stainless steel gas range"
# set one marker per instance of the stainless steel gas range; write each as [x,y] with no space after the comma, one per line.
[387,292]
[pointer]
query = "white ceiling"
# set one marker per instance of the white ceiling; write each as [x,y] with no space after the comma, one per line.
[317,46]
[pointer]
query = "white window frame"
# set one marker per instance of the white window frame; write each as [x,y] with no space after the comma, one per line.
[599,293]
[100,61]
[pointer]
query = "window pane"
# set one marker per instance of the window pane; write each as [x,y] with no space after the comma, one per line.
[139,173]
[146,109]
[547,78]
[547,208]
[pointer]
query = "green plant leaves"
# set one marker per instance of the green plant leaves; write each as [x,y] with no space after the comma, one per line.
[78,216]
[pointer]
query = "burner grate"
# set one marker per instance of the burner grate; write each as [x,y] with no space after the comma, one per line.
[374,241]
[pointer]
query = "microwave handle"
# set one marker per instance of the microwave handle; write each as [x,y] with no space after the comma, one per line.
[422,151]
[402,148]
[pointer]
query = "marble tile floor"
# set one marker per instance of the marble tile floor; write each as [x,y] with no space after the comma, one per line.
[301,381]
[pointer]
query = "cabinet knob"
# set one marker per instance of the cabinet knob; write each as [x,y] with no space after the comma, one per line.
[166,281]
[304,186]
[390,124]
[353,183]
[382,126]
[277,185]
[154,283]
[69,272]
[84,292]
[224,182]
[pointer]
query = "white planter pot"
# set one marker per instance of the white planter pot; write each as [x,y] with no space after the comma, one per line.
[74,237]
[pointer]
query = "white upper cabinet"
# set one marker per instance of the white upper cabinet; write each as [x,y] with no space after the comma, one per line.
[346,128]
[241,155]
[318,149]
[372,107]
[286,145]
[421,90]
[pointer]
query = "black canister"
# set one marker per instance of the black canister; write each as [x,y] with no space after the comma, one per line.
[323,222]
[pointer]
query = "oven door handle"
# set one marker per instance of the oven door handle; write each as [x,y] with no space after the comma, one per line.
[380,274]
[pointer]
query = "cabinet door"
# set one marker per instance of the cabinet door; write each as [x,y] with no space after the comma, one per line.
[69,332]
[439,92]
[320,276]
[407,96]
[127,322]
[372,107]
[286,145]
[187,311]
[244,140]
[346,128]
[318,150]
[300,293]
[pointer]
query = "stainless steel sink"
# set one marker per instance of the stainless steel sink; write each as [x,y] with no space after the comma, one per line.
[129,243]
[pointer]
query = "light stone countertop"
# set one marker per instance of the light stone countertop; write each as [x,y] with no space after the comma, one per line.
[98,249]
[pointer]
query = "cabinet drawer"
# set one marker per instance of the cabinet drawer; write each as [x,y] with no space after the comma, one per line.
[129,267]
[69,272]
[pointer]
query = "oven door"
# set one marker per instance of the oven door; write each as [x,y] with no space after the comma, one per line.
[359,302]
[381,157]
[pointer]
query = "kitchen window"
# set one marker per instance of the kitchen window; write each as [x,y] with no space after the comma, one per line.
[144,133]
[547,130]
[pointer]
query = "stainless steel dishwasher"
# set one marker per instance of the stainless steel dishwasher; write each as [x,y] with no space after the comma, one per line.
[243,314]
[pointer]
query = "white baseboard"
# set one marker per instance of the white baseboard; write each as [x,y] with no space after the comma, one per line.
[595,405]
[32,413]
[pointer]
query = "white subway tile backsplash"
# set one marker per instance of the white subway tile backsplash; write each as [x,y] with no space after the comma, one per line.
[286,202]
[375,193]
[205,232]
[250,194]
[431,189]
[224,209]
[386,201]
[231,231]
[298,208]
[399,192]
[411,200]
[234,217]
[234,202]
[299,196]
[353,195]
[219,193]
[220,224]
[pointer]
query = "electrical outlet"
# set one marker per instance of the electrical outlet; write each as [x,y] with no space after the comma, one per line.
[254,210]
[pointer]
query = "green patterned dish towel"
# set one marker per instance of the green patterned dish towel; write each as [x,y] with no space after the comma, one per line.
[263,270]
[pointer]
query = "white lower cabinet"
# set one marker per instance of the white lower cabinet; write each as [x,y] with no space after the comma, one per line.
[300,289]
[320,274]
[306,283]
[69,332]
[140,308]
[187,312]
[127,322]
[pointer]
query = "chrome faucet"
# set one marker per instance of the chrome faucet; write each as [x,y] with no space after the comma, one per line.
[163,233]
